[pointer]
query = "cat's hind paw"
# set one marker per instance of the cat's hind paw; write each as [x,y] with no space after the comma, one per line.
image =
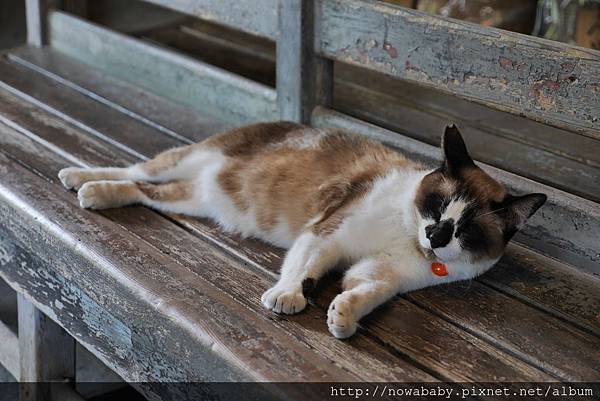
[341,320]
[92,195]
[107,194]
[284,300]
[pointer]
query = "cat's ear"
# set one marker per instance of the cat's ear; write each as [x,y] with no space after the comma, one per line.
[516,210]
[456,156]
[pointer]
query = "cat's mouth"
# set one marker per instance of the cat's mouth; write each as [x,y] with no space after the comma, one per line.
[428,253]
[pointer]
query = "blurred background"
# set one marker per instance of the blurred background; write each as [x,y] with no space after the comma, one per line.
[571,21]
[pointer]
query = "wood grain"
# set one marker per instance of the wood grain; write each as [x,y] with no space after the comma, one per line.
[546,81]
[147,226]
[564,160]
[264,256]
[185,80]
[258,18]
[190,126]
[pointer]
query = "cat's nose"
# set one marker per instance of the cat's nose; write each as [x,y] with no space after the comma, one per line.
[439,234]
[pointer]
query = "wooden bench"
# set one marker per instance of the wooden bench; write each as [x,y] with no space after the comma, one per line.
[160,297]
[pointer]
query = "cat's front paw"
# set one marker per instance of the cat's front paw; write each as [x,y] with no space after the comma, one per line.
[341,319]
[282,299]
[72,177]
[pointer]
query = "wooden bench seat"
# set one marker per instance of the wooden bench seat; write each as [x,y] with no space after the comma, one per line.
[164,297]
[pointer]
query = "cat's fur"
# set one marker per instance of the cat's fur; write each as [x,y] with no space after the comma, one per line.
[328,195]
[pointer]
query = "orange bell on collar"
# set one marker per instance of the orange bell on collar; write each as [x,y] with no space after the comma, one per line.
[439,269]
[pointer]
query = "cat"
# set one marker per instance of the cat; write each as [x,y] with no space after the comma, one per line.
[328,195]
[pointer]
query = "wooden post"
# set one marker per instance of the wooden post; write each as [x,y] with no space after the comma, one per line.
[37,20]
[47,353]
[304,80]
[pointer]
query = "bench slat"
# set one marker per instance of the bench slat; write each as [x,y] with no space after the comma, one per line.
[9,348]
[547,81]
[258,17]
[390,108]
[379,94]
[191,126]
[177,77]
[568,353]
[79,110]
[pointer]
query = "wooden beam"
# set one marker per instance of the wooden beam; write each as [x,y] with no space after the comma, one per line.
[304,79]
[47,352]
[567,228]
[166,73]
[546,81]
[258,17]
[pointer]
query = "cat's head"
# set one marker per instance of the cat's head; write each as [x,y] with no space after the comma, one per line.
[464,214]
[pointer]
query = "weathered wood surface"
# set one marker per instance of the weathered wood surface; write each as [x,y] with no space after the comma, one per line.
[567,228]
[546,81]
[133,101]
[501,320]
[246,55]
[47,352]
[555,157]
[258,17]
[413,338]
[418,343]
[212,90]
[409,338]
[254,251]
[14,78]
[304,80]
[382,93]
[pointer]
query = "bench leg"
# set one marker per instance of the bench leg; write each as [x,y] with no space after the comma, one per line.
[47,352]
[37,20]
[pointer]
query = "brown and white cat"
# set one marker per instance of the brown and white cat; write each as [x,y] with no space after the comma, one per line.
[329,195]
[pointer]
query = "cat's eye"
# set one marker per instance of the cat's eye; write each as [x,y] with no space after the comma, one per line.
[472,236]
[434,205]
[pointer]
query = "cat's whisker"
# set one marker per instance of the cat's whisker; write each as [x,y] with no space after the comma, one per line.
[493,211]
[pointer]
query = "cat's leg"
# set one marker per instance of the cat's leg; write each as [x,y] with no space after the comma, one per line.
[308,259]
[170,165]
[367,284]
[174,196]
